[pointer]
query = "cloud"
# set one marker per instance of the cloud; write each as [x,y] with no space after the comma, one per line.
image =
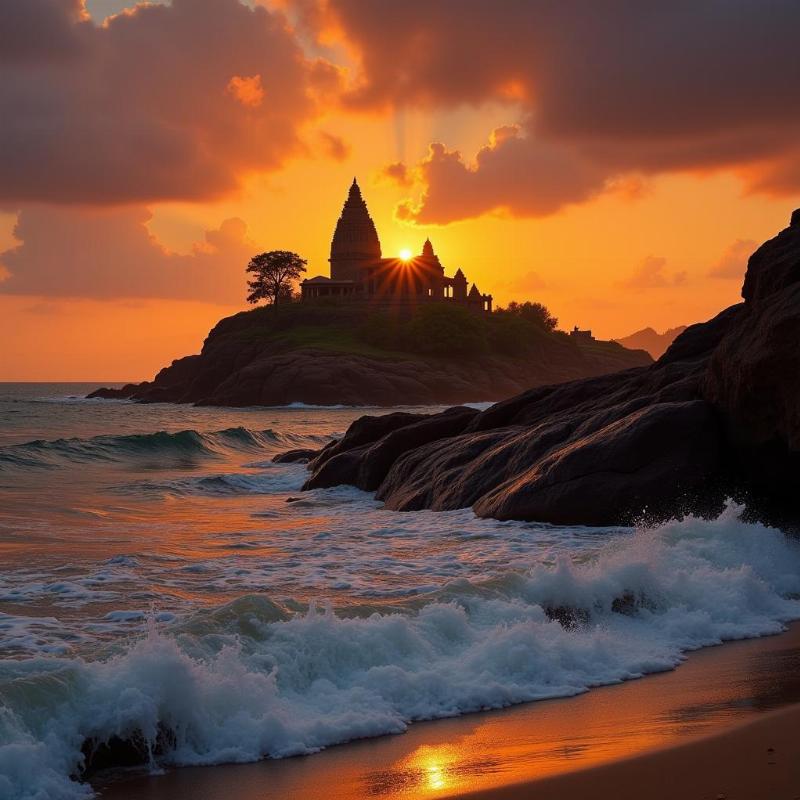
[397,173]
[248,91]
[511,173]
[522,285]
[334,146]
[651,273]
[161,102]
[621,87]
[733,262]
[109,253]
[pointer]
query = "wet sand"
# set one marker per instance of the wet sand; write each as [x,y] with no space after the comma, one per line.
[701,731]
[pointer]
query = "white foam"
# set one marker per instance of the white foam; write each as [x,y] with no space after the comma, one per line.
[250,679]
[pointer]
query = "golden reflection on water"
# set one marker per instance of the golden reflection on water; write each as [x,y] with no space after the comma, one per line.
[480,751]
[436,776]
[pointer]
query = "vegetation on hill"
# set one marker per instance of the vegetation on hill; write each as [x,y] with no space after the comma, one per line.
[438,330]
[338,352]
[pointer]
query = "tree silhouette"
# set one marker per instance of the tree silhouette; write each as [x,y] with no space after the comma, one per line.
[537,313]
[273,275]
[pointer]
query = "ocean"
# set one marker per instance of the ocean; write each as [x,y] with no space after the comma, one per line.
[159,572]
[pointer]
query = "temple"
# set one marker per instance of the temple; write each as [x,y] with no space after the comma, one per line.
[359,271]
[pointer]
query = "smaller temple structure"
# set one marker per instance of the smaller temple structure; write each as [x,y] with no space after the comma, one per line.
[581,335]
[359,271]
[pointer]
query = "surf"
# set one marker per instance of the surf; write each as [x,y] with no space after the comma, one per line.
[260,678]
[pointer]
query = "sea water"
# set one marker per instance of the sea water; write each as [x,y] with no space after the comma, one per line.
[158,571]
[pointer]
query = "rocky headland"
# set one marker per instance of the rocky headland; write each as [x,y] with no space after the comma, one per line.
[717,415]
[329,354]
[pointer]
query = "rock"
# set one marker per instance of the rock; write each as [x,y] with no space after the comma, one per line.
[124,393]
[250,359]
[653,457]
[717,414]
[366,463]
[125,750]
[753,376]
[365,430]
[300,455]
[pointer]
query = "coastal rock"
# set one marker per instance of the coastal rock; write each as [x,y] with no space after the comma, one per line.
[274,358]
[754,375]
[366,463]
[300,455]
[617,472]
[718,413]
[123,393]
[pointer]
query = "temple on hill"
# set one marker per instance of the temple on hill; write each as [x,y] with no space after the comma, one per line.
[359,271]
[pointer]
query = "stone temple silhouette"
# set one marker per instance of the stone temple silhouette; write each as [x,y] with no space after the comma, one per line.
[360,273]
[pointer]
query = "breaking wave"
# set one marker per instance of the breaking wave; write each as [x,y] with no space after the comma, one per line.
[42,453]
[254,678]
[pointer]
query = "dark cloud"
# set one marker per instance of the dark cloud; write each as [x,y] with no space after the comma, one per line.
[109,253]
[511,173]
[625,86]
[162,102]
[334,146]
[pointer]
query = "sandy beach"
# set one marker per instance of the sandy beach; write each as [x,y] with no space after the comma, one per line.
[724,724]
[758,760]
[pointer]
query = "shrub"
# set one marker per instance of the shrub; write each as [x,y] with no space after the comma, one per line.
[444,330]
[536,313]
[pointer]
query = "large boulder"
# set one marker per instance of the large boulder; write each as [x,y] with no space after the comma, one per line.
[372,445]
[718,413]
[649,461]
[754,375]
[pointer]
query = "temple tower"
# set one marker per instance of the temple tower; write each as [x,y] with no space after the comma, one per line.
[355,242]
[459,285]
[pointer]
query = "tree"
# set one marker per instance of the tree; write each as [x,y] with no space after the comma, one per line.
[537,313]
[444,329]
[274,273]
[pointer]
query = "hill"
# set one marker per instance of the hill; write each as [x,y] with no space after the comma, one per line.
[337,353]
[648,339]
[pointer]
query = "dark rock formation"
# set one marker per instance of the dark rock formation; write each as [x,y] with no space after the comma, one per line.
[301,455]
[718,413]
[365,455]
[124,751]
[754,375]
[263,358]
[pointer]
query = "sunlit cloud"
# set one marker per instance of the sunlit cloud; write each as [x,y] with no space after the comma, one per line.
[248,91]
[67,252]
[733,263]
[652,273]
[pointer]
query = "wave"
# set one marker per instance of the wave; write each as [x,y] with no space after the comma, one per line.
[181,444]
[254,678]
[271,479]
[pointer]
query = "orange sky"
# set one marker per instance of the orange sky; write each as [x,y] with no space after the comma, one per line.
[614,246]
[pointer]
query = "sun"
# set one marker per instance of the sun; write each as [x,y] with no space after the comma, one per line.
[405,254]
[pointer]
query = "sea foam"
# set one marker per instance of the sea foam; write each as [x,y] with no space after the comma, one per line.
[254,678]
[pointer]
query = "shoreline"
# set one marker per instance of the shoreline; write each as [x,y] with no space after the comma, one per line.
[701,724]
[755,760]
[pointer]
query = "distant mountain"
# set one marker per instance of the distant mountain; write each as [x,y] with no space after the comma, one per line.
[648,339]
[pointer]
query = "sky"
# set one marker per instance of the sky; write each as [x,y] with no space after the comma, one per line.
[617,161]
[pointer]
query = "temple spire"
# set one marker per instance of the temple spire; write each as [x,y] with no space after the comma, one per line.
[427,249]
[355,240]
